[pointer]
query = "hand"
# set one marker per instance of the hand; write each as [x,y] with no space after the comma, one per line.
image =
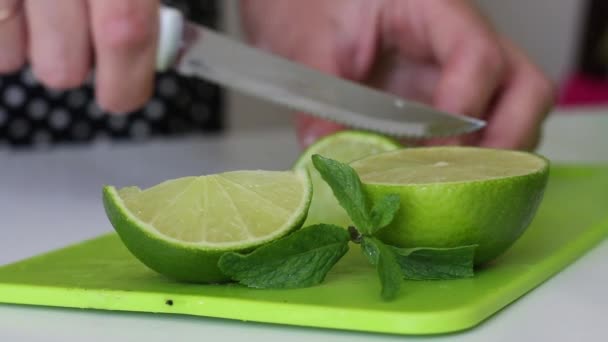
[439,52]
[62,39]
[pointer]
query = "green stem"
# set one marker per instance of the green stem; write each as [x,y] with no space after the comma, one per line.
[355,235]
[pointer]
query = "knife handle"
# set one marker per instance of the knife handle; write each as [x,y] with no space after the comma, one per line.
[171,32]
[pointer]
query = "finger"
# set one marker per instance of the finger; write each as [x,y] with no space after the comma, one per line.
[59,43]
[463,46]
[470,78]
[473,68]
[12,37]
[310,129]
[527,99]
[125,37]
[411,80]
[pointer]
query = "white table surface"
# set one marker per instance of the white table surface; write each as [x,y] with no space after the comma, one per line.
[51,199]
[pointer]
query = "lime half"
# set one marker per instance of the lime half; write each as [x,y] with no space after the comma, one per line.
[456,196]
[181,227]
[344,147]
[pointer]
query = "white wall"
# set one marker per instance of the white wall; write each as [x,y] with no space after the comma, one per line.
[546,29]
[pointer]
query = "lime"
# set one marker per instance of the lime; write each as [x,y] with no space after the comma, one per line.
[181,227]
[456,196]
[345,147]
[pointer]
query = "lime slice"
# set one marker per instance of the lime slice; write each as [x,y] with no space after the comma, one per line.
[181,227]
[455,196]
[344,147]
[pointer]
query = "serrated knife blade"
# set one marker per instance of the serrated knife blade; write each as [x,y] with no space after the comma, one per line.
[212,56]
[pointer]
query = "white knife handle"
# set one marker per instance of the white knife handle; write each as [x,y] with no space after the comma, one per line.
[171,32]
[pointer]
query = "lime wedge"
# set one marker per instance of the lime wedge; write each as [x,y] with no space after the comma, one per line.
[344,147]
[456,196]
[181,227]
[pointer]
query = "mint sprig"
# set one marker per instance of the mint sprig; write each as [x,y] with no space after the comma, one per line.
[384,212]
[301,259]
[304,258]
[347,189]
[385,259]
[436,263]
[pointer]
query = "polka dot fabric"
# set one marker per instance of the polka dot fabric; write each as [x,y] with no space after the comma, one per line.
[33,116]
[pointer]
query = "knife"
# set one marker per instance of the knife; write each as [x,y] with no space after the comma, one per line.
[196,51]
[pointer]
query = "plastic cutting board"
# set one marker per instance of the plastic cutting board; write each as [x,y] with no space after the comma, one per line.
[101,274]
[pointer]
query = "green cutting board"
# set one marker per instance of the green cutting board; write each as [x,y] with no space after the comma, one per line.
[101,274]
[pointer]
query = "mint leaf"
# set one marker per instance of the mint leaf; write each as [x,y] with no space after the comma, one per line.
[384,211]
[347,189]
[436,263]
[385,259]
[301,259]
[370,250]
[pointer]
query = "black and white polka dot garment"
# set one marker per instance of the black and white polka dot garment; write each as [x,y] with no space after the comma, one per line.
[33,116]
